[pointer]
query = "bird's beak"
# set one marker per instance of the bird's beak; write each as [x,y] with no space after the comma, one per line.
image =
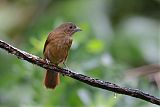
[77,29]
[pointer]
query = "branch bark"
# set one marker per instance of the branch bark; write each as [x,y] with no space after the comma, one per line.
[85,79]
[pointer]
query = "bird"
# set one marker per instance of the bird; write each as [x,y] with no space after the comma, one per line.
[56,50]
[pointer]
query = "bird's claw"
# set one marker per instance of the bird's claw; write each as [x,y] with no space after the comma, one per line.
[48,61]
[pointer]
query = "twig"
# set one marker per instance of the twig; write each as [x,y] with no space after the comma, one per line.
[85,79]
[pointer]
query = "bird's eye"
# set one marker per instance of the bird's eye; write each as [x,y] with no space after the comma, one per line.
[70,27]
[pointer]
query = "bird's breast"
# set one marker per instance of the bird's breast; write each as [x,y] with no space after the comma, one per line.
[63,43]
[59,49]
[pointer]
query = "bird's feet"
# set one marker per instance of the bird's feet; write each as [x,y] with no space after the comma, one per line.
[48,61]
[66,67]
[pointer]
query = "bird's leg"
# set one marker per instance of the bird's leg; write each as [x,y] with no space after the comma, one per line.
[65,67]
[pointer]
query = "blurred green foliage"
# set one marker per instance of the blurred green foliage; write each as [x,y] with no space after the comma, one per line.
[117,35]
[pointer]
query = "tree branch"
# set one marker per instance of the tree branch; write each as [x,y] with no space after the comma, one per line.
[85,79]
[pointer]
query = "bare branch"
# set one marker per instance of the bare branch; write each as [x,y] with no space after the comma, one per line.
[85,79]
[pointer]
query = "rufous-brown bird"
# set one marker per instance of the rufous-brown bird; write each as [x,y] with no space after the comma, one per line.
[56,50]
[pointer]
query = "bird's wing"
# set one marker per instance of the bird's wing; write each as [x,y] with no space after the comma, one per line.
[68,46]
[48,40]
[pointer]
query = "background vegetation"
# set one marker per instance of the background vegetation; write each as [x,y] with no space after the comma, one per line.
[117,35]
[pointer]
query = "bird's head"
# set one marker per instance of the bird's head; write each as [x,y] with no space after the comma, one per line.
[68,28]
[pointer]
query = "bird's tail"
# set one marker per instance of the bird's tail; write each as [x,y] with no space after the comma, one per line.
[51,79]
